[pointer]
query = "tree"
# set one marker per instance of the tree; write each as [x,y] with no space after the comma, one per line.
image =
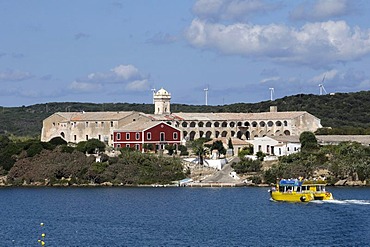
[218,145]
[56,141]
[90,146]
[308,141]
[230,144]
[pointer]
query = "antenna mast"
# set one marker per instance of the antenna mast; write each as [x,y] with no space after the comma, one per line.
[272,91]
[321,86]
[206,92]
[153,90]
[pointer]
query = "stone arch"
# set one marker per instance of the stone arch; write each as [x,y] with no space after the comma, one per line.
[232,133]
[169,122]
[239,124]
[192,135]
[239,134]
[208,124]
[278,123]
[63,135]
[224,124]
[201,133]
[262,124]
[208,134]
[192,124]
[247,135]
[184,124]
[270,123]
[285,123]
[217,124]
[185,133]
[287,132]
[224,133]
[254,124]
[217,134]
[200,124]
[247,124]
[232,124]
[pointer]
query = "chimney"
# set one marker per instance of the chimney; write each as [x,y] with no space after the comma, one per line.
[273,108]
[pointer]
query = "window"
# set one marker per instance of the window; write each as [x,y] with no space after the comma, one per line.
[86,124]
[149,136]
[137,147]
[75,138]
[128,145]
[87,137]
[162,137]
[118,145]
[127,136]
[96,124]
[111,137]
[175,135]
[137,136]
[118,136]
[99,137]
[102,124]
[111,124]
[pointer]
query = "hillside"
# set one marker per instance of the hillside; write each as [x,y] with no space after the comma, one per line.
[339,110]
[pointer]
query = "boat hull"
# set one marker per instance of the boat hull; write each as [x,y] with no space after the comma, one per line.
[291,196]
[323,196]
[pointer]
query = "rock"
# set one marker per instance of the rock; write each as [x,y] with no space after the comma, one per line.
[341,182]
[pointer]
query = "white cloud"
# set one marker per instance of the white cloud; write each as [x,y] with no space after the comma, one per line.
[327,75]
[128,76]
[230,9]
[321,10]
[138,85]
[315,44]
[86,87]
[162,38]
[14,75]
[270,79]
[348,80]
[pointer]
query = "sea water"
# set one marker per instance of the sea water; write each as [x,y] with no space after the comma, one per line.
[180,217]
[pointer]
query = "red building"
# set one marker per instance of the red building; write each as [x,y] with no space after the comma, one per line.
[149,135]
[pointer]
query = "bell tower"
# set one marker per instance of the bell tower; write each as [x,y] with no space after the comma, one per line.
[162,100]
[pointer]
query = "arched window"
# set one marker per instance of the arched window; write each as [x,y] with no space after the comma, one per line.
[232,124]
[62,135]
[270,123]
[254,124]
[217,124]
[278,123]
[224,133]
[200,124]
[239,124]
[192,124]
[287,132]
[208,124]
[224,124]
[192,135]
[208,134]
[262,124]
[247,124]
[184,124]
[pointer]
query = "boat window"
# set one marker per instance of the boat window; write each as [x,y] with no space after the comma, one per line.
[298,189]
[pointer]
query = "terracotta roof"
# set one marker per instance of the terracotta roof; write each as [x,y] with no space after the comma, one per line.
[94,116]
[225,116]
[225,140]
[137,126]
[285,139]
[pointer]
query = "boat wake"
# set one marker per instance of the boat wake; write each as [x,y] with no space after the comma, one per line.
[358,202]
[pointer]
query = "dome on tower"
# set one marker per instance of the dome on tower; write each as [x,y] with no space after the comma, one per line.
[162,92]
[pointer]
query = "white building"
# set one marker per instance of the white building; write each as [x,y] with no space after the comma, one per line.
[276,145]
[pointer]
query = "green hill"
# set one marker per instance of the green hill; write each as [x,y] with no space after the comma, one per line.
[341,110]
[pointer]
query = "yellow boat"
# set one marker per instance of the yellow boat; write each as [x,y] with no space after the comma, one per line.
[290,190]
[318,189]
[298,190]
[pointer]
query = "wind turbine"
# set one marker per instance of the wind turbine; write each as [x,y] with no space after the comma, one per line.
[153,90]
[206,92]
[321,86]
[272,91]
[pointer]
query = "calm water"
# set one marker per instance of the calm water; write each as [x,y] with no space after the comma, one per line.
[180,217]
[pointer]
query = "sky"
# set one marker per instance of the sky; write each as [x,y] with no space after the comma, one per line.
[243,51]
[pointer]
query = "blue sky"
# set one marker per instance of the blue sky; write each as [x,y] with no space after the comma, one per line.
[117,51]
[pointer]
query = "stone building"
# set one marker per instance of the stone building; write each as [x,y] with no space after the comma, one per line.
[81,126]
